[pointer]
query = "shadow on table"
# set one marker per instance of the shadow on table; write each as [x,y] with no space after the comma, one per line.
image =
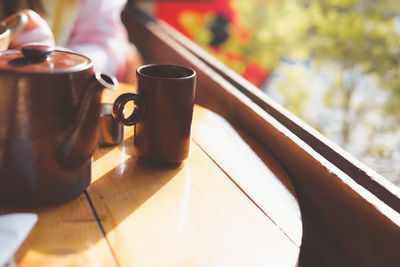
[127,186]
[73,227]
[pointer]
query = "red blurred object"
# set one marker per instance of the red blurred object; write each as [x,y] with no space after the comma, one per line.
[255,73]
[169,10]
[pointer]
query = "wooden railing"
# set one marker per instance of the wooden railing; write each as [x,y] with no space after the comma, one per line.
[350,214]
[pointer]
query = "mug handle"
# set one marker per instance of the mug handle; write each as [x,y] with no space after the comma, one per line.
[119,105]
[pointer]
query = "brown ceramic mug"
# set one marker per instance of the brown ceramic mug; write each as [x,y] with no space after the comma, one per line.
[163,112]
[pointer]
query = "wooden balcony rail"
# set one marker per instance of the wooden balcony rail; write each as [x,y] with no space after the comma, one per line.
[350,214]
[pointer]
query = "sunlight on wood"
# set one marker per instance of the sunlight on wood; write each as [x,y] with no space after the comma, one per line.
[65,235]
[251,167]
[107,162]
[186,215]
[88,257]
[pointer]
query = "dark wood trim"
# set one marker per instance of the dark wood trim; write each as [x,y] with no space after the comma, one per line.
[343,222]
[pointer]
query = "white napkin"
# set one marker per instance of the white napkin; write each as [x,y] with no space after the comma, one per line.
[14,229]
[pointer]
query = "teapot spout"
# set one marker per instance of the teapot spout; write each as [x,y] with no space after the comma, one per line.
[77,143]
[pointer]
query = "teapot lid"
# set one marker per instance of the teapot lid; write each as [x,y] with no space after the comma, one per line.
[35,58]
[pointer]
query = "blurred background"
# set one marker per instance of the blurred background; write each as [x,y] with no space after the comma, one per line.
[333,63]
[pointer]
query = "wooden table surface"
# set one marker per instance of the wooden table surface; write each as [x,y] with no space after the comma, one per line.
[229,204]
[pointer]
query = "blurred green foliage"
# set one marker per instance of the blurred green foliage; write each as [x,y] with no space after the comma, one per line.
[358,39]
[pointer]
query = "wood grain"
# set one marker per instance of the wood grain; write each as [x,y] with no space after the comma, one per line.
[65,235]
[252,168]
[186,215]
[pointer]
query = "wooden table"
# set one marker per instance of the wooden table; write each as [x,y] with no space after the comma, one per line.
[230,204]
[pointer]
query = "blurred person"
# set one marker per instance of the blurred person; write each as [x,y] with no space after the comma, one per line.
[89,27]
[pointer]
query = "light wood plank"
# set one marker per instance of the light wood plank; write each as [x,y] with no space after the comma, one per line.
[189,215]
[252,168]
[65,235]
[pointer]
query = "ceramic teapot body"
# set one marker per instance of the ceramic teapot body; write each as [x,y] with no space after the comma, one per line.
[48,129]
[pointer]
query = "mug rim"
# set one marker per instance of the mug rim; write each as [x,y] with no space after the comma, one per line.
[139,71]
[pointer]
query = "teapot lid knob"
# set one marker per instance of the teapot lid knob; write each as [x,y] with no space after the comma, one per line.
[36,52]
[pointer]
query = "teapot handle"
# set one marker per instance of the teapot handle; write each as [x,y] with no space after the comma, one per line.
[16,23]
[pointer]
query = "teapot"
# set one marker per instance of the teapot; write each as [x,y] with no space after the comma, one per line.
[49,120]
